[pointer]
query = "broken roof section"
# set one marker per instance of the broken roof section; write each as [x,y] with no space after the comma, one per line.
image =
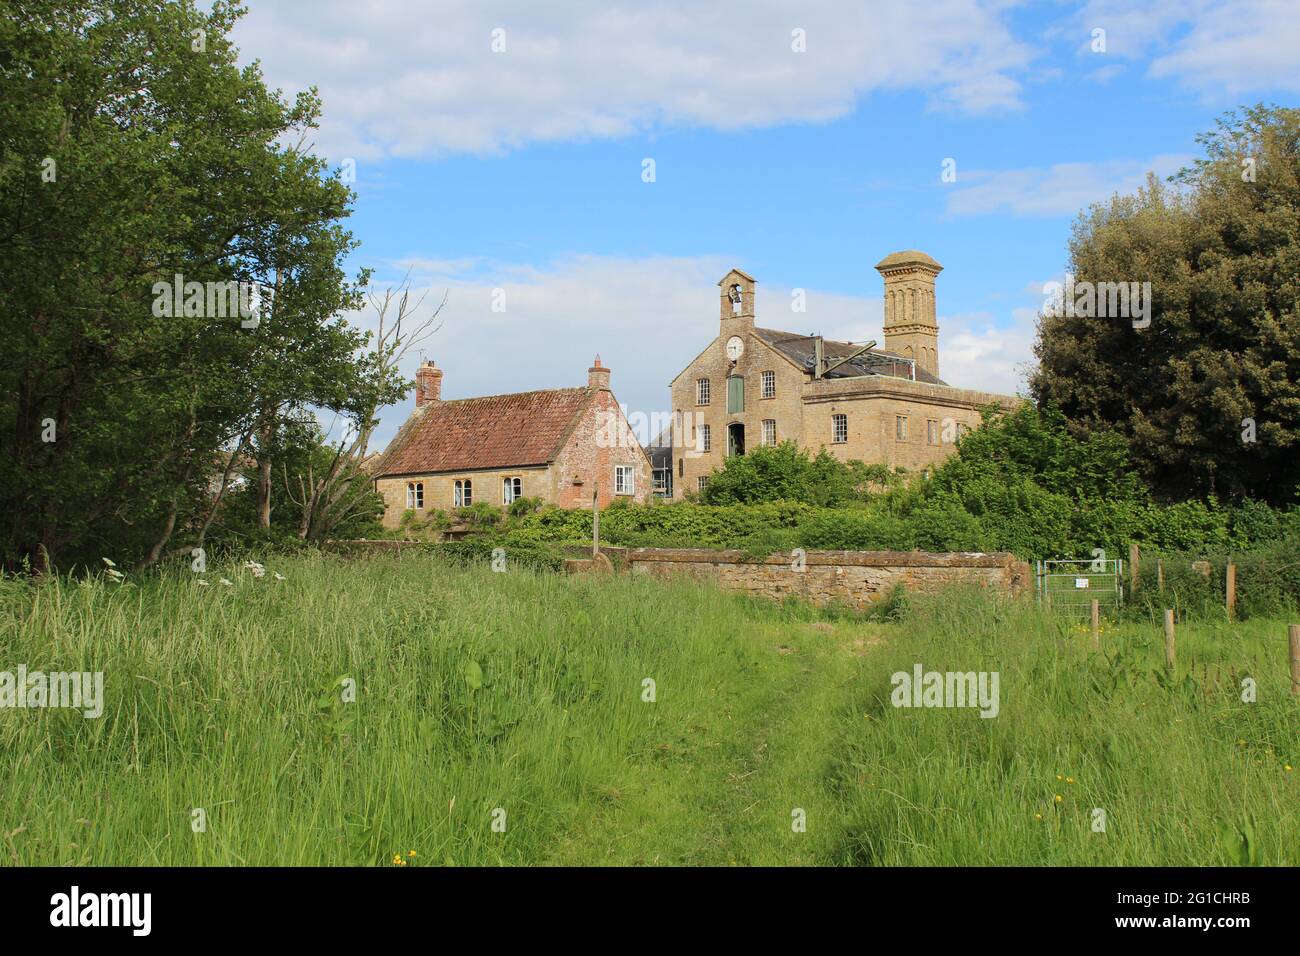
[801,349]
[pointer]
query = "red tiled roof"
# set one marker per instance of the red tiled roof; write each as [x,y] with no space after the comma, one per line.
[498,431]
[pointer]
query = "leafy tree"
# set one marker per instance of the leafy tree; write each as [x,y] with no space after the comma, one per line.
[133,149]
[299,449]
[1207,395]
[332,489]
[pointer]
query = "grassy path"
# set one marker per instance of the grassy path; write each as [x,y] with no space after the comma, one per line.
[522,699]
[727,794]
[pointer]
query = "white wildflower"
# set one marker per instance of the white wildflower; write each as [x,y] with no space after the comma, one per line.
[279,576]
[227,583]
[108,562]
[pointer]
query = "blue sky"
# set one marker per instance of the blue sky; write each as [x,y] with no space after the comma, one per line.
[521,168]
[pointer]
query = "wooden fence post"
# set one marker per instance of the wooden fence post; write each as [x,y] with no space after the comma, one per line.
[1096,625]
[595,520]
[1160,574]
[1133,556]
[1231,589]
[1170,653]
[1293,635]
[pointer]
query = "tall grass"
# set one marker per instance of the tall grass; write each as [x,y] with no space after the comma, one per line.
[519,698]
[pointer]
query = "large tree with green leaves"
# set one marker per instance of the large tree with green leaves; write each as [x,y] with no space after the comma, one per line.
[133,149]
[1208,393]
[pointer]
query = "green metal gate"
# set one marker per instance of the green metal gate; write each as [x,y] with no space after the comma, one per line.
[1071,585]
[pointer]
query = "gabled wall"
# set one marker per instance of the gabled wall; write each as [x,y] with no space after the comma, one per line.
[600,440]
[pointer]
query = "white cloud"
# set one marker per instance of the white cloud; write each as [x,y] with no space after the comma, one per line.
[420,79]
[976,351]
[1060,190]
[1221,48]
[648,318]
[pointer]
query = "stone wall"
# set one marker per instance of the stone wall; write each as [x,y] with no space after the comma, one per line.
[854,578]
[487,485]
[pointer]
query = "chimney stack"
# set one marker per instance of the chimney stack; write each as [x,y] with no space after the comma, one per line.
[428,384]
[598,376]
[911,329]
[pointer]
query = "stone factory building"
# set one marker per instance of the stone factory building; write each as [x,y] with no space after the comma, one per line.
[753,386]
[561,445]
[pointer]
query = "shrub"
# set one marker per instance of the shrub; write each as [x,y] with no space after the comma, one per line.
[787,473]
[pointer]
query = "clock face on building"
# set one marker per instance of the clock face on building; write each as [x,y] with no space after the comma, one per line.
[735,347]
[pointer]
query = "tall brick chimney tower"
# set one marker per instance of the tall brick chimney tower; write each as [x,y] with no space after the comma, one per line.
[911,329]
[598,376]
[428,384]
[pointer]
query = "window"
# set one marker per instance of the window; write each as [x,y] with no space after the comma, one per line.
[932,431]
[463,494]
[702,396]
[735,394]
[769,384]
[624,480]
[702,482]
[415,494]
[511,488]
[900,428]
[839,429]
[769,431]
[705,441]
[681,467]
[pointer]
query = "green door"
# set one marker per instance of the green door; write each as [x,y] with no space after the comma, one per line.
[735,394]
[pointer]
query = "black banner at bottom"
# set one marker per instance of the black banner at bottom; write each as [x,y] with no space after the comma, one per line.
[336,906]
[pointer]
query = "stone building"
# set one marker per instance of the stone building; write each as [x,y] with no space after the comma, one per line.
[755,386]
[560,445]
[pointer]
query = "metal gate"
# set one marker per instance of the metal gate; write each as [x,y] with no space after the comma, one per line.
[1071,585]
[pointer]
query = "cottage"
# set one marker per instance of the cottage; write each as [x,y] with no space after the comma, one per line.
[756,386]
[562,445]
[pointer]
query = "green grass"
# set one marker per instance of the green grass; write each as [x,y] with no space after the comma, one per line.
[523,691]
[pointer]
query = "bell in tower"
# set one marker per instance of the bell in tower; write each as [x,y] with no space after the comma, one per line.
[737,302]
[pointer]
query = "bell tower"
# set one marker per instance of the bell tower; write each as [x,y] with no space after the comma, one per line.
[736,303]
[911,329]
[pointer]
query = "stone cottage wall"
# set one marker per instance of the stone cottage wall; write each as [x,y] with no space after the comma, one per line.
[854,578]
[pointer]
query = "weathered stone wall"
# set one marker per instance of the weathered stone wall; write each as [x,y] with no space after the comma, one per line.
[854,578]
[488,485]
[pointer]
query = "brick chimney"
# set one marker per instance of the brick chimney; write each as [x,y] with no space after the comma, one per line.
[910,326]
[598,376]
[428,384]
